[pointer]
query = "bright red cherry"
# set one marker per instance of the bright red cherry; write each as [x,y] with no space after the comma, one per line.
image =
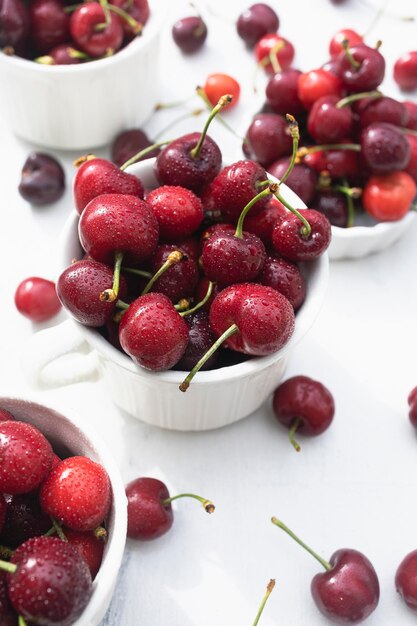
[335,46]
[291,241]
[89,546]
[190,33]
[268,138]
[327,122]
[228,258]
[286,278]
[338,163]
[385,148]
[412,164]
[258,20]
[178,210]
[36,299]
[405,71]
[314,84]
[262,224]
[361,68]
[77,492]
[274,53]
[49,24]
[282,92]
[388,198]
[95,42]
[217,85]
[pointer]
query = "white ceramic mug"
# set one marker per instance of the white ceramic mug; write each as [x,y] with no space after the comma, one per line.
[72,352]
[77,107]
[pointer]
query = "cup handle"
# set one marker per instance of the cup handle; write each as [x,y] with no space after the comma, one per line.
[59,356]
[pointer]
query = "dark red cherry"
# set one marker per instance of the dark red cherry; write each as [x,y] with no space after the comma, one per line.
[289,241]
[284,53]
[130,142]
[178,281]
[201,291]
[315,84]
[51,584]
[148,518]
[138,10]
[405,71]
[118,223]
[64,54]
[286,278]
[372,110]
[412,403]
[327,123]
[152,332]
[94,42]
[89,546]
[302,179]
[268,138]
[335,46]
[8,616]
[406,580]
[200,340]
[189,33]
[412,164]
[49,24]
[333,205]
[178,210]
[384,148]
[412,115]
[24,520]
[43,179]
[338,163]
[96,177]
[3,509]
[79,288]
[5,416]
[282,92]
[14,24]
[36,299]
[262,224]
[228,259]
[258,20]
[369,69]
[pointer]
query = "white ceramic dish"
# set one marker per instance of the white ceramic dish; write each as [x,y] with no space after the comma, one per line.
[215,398]
[77,107]
[68,433]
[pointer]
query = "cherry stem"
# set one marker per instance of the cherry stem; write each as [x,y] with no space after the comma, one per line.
[8,567]
[273,57]
[302,152]
[224,100]
[201,303]
[194,113]
[58,529]
[358,96]
[200,92]
[143,153]
[354,63]
[22,621]
[110,295]
[100,533]
[295,134]
[246,209]
[136,26]
[122,305]
[227,333]
[105,6]
[173,258]
[182,305]
[349,202]
[306,228]
[73,7]
[291,434]
[172,105]
[289,532]
[269,589]
[207,504]
[409,131]
[5,552]
[142,273]
[83,159]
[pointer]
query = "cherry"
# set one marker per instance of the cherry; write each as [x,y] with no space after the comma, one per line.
[412,164]
[348,592]
[268,138]
[36,299]
[178,210]
[49,24]
[5,416]
[282,92]
[138,11]
[43,179]
[89,546]
[362,68]
[290,239]
[149,511]
[180,279]
[79,288]
[338,163]
[258,20]
[189,34]
[85,35]
[49,582]
[77,493]
[388,198]
[327,121]
[152,332]
[406,580]
[200,340]
[14,24]
[286,278]
[201,292]
[384,148]
[335,46]
[64,54]
[412,115]
[262,224]
[302,178]
[218,84]
[274,53]
[303,405]
[118,223]
[314,84]
[3,510]
[8,616]
[130,142]
[405,71]
[96,177]
[24,520]
[381,110]
[26,457]
[333,205]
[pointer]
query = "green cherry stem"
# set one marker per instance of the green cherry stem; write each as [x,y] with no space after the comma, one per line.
[302,152]
[291,434]
[133,270]
[226,99]
[350,194]
[202,94]
[306,228]
[289,532]
[122,305]
[22,621]
[105,6]
[268,592]
[354,63]
[259,196]
[295,135]
[73,7]
[183,117]
[143,153]
[8,567]
[227,333]
[207,504]
[182,305]
[136,26]
[58,529]
[358,96]
[110,295]
[201,303]
[273,57]
[173,258]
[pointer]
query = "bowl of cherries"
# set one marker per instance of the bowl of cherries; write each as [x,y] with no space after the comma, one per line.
[86,67]
[63,518]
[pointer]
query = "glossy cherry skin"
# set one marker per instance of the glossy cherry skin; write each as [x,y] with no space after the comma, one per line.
[118,223]
[262,224]
[43,179]
[24,520]
[333,205]
[64,54]
[338,163]
[349,592]
[405,71]
[36,299]
[49,24]
[282,92]
[268,138]
[138,9]
[264,316]
[95,43]
[180,280]
[284,55]
[14,24]
[412,403]
[5,416]
[178,210]
[189,33]
[412,114]
[384,148]
[176,166]
[77,492]
[26,457]
[89,547]
[412,164]
[388,198]
[335,46]
[258,20]
[79,288]
[147,516]
[292,245]
[52,583]
[328,124]
[200,340]
[372,110]
[369,75]
[96,177]
[286,278]
[314,84]
[302,179]
[152,332]
[200,292]
[217,85]
[406,580]
[130,142]
[307,400]
[228,259]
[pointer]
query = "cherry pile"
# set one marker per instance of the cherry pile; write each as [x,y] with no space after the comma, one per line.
[51,533]
[54,32]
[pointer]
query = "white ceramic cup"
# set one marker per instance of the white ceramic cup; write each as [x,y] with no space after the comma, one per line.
[77,107]
[68,434]
[72,352]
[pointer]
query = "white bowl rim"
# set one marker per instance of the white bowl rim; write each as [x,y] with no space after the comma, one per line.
[374,231]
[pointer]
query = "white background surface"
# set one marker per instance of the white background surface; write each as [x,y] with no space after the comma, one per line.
[353,487]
